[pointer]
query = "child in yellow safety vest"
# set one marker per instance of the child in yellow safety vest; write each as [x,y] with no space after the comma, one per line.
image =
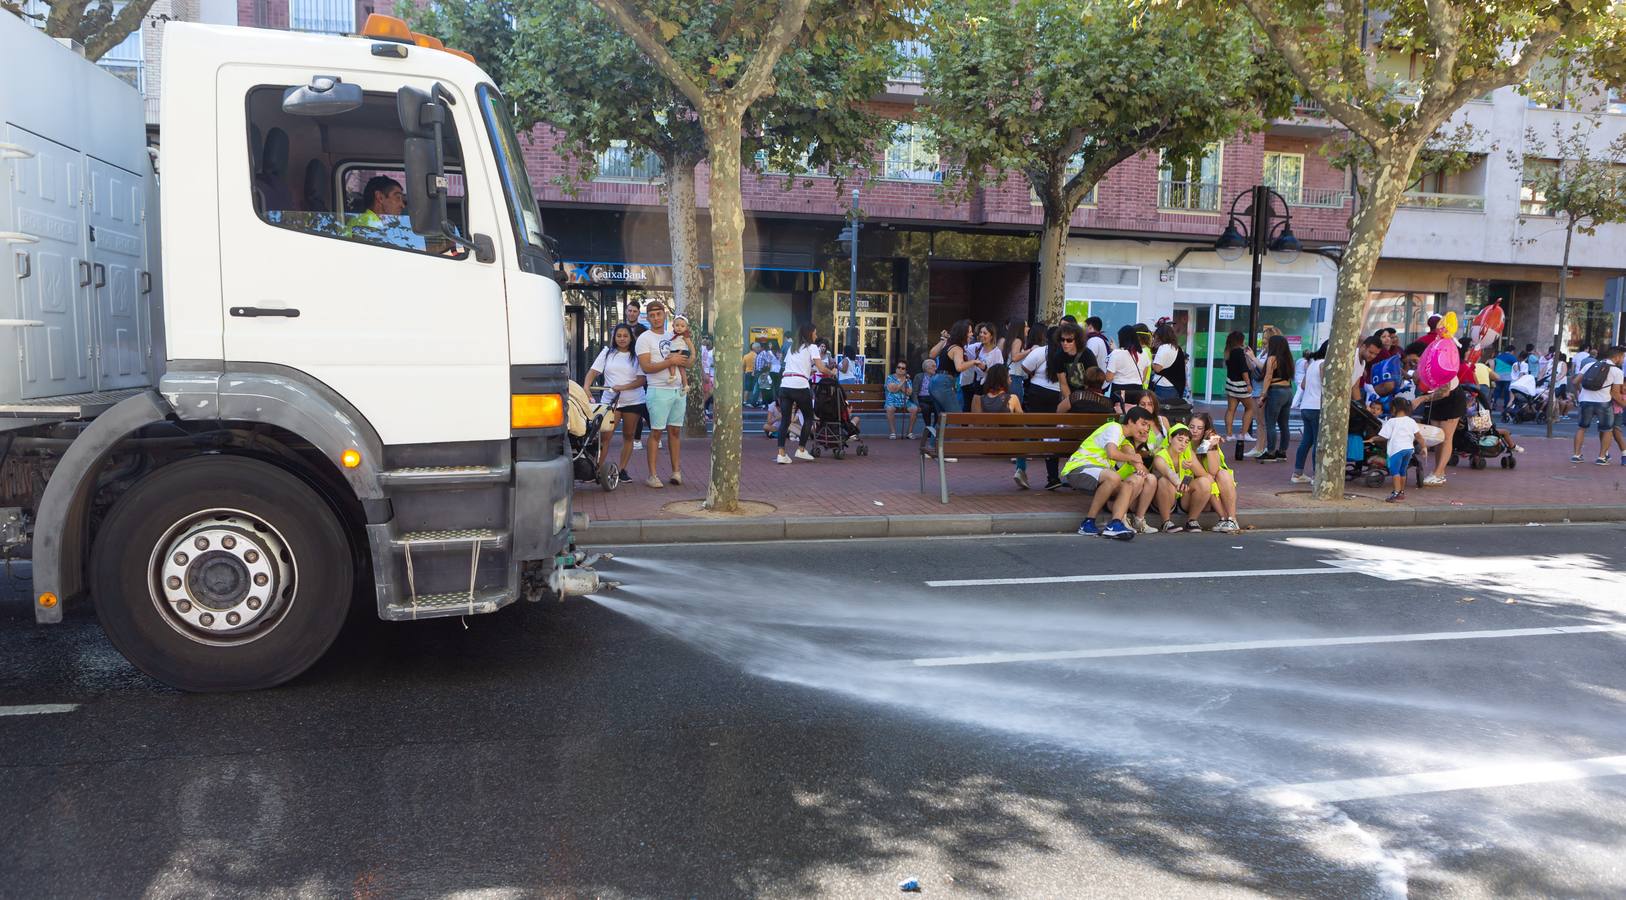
[1181,481]
[1206,447]
[1108,465]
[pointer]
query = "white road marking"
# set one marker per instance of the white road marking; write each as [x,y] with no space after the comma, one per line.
[1145,576]
[1226,646]
[1502,775]
[38,709]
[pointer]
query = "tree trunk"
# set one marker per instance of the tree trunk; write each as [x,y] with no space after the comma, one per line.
[723,128]
[687,287]
[1355,270]
[1053,266]
[1558,339]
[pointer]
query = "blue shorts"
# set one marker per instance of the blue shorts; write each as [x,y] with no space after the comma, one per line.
[666,407]
[1604,412]
[1399,461]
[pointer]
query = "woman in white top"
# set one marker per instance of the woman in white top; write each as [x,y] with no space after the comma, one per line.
[1308,403]
[796,389]
[1129,367]
[624,384]
[988,356]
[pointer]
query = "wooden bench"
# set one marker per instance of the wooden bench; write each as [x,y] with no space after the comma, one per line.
[866,398]
[962,435]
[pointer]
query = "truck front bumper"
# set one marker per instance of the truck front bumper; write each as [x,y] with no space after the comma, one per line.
[542,490]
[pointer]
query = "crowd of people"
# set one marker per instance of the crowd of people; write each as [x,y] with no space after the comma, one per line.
[1140,471]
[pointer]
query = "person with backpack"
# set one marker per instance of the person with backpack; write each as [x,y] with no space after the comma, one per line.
[1096,341]
[1168,364]
[1602,390]
[1503,367]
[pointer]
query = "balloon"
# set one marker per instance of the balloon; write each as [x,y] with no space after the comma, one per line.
[1473,357]
[1448,325]
[1438,364]
[1487,326]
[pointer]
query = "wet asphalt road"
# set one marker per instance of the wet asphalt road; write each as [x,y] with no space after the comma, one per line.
[746,721]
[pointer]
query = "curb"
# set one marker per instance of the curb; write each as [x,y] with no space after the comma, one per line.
[776,528]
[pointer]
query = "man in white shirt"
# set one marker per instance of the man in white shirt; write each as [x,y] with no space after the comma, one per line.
[1599,403]
[663,360]
[1095,341]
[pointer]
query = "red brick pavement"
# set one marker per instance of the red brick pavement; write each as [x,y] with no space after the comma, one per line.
[886,483]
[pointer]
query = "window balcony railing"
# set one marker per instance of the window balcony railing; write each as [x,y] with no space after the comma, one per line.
[1431,200]
[1322,198]
[1309,108]
[912,52]
[1188,195]
[325,16]
[627,164]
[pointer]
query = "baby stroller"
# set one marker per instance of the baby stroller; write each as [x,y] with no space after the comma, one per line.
[1527,402]
[1367,459]
[584,422]
[834,424]
[1478,440]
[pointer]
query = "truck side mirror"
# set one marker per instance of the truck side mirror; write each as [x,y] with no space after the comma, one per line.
[422,116]
[326,95]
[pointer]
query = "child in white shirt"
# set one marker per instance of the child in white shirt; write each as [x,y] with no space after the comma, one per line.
[1404,439]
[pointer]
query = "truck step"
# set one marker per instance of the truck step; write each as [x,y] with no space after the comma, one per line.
[68,406]
[453,603]
[452,539]
[440,476]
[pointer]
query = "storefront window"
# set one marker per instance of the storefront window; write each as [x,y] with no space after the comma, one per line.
[1405,311]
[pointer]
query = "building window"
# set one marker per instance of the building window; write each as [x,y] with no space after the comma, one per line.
[1532,199]
[622,162]
[1190,182]
[329,16]
[127,60]
[909,156]
[1284,174]
[1615,103]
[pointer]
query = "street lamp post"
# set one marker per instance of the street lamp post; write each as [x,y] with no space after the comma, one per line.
[1258,234]
[851,234]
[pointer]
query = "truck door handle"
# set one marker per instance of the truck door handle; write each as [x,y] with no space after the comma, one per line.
[101,276]
[84,273]
[25,268]
[250,312]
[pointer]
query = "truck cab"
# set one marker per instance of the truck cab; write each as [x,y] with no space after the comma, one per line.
[361,365]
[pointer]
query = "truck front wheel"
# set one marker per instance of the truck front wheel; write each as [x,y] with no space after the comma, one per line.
[221,573]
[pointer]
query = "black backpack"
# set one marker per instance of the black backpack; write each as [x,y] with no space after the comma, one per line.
[1595,376]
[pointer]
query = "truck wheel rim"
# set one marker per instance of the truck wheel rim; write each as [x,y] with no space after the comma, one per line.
[222,576]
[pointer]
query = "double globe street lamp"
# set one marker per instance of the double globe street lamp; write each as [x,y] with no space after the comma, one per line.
[1256,229]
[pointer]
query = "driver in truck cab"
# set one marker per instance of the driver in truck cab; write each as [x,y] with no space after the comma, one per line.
[383,196]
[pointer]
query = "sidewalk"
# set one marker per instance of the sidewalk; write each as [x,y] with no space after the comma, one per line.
[880,495]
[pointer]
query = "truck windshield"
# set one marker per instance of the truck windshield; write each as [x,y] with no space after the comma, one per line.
[521,201]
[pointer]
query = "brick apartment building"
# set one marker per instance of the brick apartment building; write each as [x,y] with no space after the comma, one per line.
[1140,248]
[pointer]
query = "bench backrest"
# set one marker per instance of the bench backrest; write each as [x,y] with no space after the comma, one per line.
[1014,434]
[865,397]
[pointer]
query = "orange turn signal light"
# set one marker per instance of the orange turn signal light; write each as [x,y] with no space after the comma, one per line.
[350,458]
[387,27]
[47,600]
[536,410]
[424,40]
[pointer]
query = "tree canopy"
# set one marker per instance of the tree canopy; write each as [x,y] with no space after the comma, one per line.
[1062,91]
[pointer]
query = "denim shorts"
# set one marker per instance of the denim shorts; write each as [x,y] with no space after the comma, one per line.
[1604,411]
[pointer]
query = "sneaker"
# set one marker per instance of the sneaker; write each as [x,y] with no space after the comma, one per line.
[1602,460]
[1575,458]
[1395,497]
[782,459]
[1140,524]
[626,477]
[1300,478]
[653,481]
[637,445]
[677,478]
[1433,481]
[892,437]
[1193,526]
[1020,476]
[1118,530]
[1052,485]
[1520,449]
[1274,456]
[1088,528]
[1170,527]
[801,453]
[1226,525]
